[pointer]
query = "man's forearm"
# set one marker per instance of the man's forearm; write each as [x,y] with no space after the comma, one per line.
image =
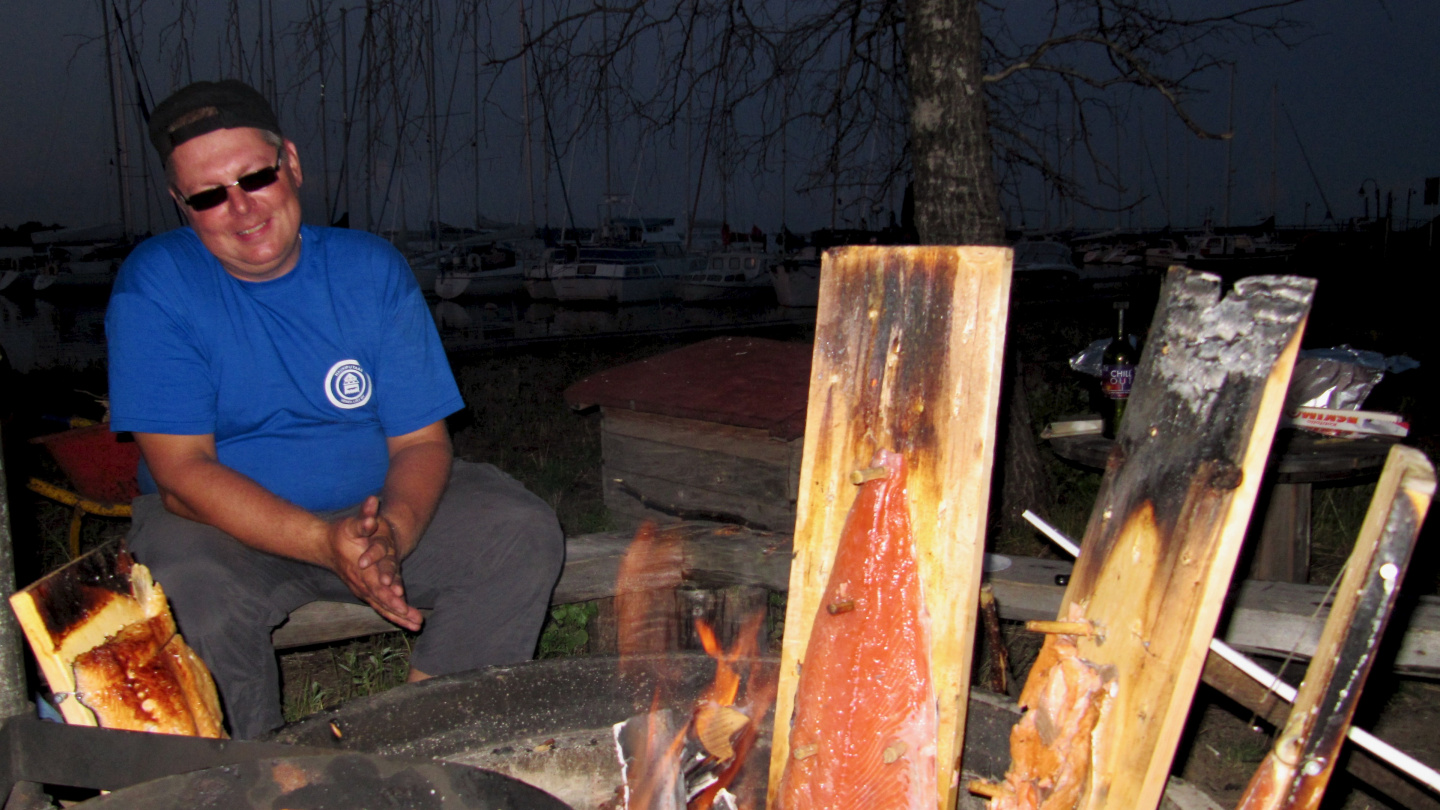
[208,492]
[419,471]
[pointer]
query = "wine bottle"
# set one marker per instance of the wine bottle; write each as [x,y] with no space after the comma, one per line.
[1117,373]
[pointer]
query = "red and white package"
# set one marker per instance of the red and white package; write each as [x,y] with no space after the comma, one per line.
[1333,422]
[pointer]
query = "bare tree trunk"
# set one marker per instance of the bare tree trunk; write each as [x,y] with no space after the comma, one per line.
[956,201]
[1025,483]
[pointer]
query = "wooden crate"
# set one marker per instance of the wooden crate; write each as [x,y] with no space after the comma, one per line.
[711,431]
[665,468]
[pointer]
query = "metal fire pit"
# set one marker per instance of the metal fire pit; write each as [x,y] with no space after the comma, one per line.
[548,723]
[343,781]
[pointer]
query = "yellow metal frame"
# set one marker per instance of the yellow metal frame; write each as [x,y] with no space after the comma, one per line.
[80,507]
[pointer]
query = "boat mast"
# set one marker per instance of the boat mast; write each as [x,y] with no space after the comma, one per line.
[136,75]
[274,74]
[260,43]
[434,134]
[345,116]
[525,94]
[1230,147]
[321,28]
[367,51]
[605,111]
[1274,155]
[475,81]
[112,75]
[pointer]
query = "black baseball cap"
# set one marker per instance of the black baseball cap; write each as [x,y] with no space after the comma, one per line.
[203,107]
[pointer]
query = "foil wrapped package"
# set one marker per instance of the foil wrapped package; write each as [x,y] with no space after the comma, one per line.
[1340,378]
[1325,382]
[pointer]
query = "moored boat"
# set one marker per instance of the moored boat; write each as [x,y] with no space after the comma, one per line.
[797,280]
[74,276]
[537,274]
[727,276]
[1216,250]
[614,274]
[484,270]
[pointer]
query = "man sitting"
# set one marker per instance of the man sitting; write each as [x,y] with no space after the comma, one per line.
[288,391]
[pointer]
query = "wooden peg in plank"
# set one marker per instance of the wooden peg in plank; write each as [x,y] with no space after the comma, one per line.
[1295,772]
[1166,529]
[1071,628]
[908,354]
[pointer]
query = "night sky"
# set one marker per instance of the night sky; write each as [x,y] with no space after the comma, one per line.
[1363,90]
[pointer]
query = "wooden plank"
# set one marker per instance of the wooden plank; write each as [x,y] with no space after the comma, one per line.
[1297,769]
[1168,522]
[103,615]
[908,353]
[1266,618]
[1283,552]
[635,497]
[713,556]
[751,443]
[72,610]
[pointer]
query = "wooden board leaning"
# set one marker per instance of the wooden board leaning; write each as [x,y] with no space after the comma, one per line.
[908,355]
[1295,772]
[1167,526]
[104,639]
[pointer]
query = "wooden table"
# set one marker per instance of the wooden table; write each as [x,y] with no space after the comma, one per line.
[1298,460]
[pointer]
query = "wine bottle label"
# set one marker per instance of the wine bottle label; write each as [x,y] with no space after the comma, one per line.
[1115,381]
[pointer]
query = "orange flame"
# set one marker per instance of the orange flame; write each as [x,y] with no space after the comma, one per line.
[644,596]
[645,612]
[653,782]
[759,696]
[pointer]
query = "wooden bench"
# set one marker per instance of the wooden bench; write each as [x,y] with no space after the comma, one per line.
[1265,618]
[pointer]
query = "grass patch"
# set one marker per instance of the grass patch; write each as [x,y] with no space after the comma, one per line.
[565,631]
[321,679]
[516,418]
[1335,517]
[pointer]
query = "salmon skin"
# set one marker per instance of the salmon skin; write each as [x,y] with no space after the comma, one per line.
[864,730]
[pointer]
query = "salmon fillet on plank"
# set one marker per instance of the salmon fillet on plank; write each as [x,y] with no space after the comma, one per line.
[866,718]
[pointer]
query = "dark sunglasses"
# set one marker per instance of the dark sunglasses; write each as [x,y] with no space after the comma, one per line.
[250,183]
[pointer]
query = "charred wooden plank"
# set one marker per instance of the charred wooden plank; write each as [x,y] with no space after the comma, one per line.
[1297,769]
[103,637]
[908,354]
[1171,513]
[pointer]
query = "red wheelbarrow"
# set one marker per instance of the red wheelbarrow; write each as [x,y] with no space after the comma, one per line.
[102,472]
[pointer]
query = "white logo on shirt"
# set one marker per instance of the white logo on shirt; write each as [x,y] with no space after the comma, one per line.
[347,385]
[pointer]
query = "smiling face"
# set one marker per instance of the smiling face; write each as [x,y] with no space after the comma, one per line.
[254,234]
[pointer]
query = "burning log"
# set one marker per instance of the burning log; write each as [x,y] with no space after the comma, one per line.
[653,749]
[674,761]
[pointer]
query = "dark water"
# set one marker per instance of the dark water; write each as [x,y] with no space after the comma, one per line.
[36,333]
[39,334]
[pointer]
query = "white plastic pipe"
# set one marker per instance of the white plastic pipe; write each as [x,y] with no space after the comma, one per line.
[1400,760]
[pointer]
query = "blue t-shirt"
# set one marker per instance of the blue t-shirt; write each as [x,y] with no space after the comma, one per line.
[300,378]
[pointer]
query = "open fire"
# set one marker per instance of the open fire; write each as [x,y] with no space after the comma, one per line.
[674,759]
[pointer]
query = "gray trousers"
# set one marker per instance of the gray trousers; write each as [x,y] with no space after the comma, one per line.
[486,565]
